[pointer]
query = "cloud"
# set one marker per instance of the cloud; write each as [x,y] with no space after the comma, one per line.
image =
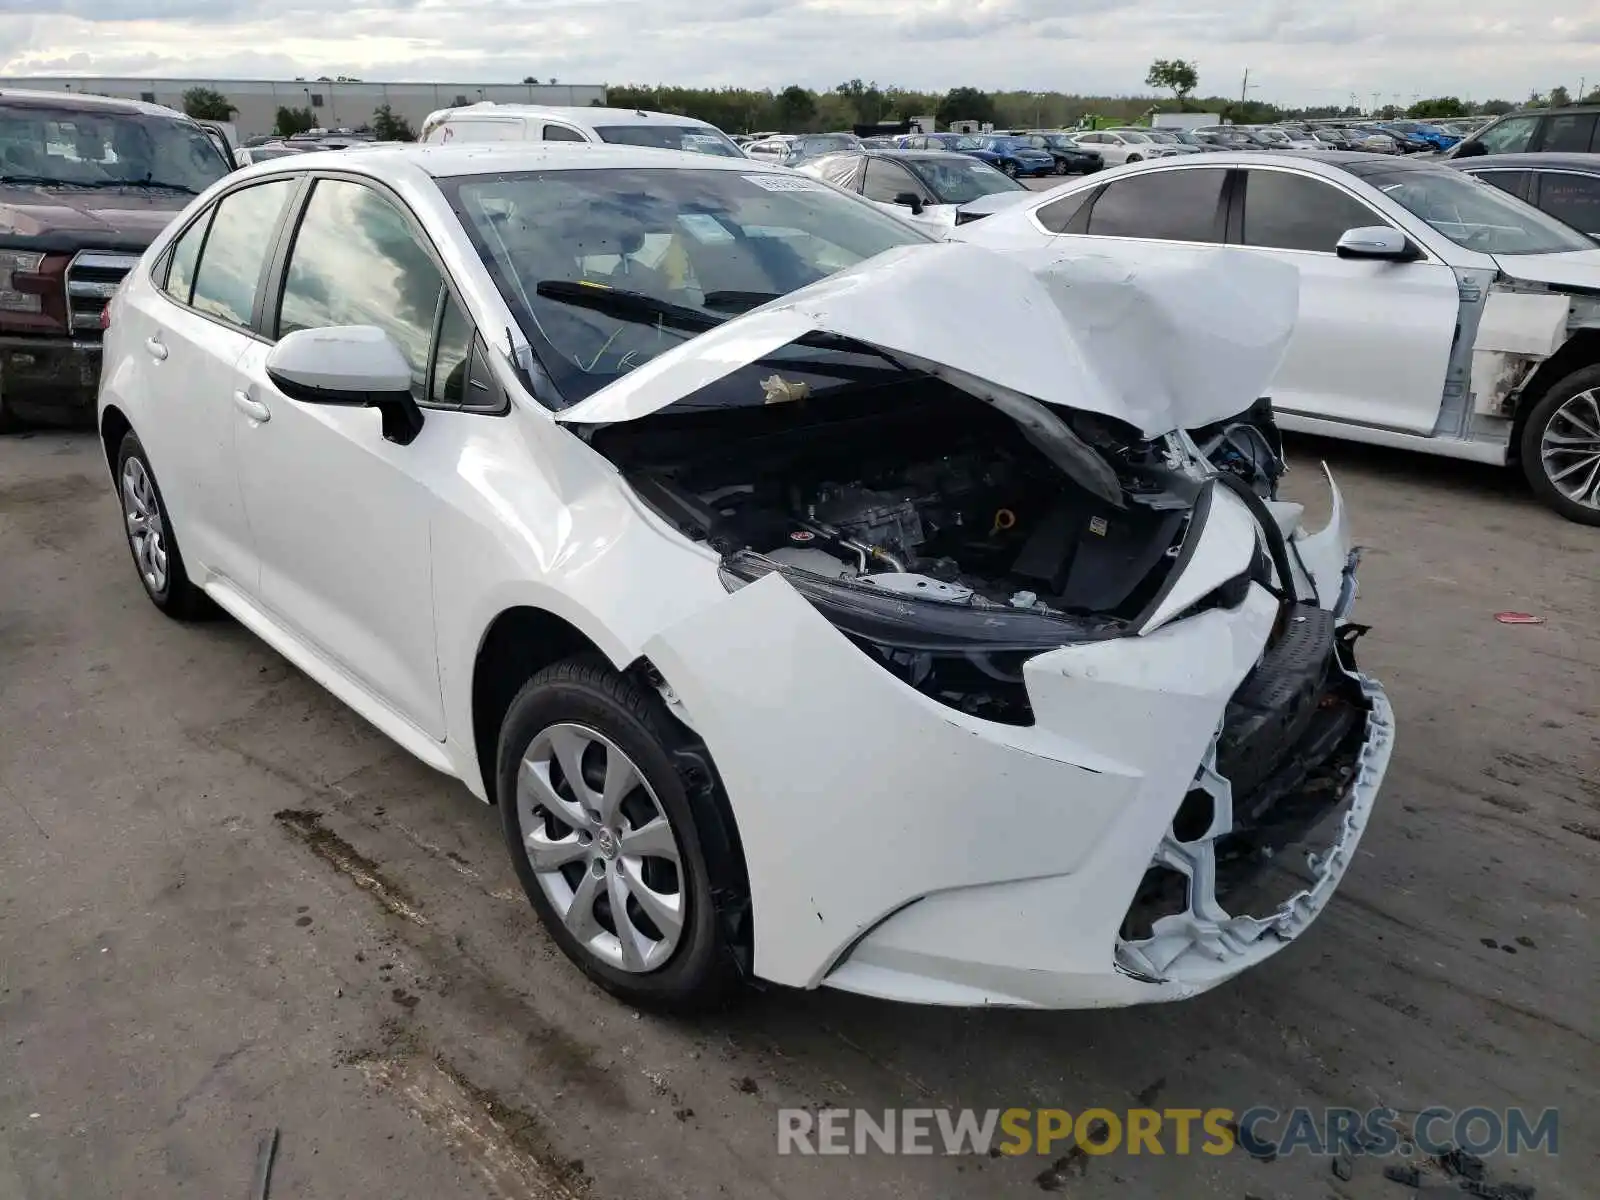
[1296,51]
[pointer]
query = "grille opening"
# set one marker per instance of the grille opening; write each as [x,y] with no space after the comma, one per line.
[1163,892]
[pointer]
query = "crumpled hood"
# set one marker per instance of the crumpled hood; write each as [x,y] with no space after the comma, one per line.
[136,216]
[1161,342]
[1577,268]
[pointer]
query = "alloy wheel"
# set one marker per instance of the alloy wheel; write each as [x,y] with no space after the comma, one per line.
[1569,449]
[146,534]
[601,847]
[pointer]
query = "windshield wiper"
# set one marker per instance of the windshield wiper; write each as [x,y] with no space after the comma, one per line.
[626,305]
[40,180]
[739,302]
[142,183]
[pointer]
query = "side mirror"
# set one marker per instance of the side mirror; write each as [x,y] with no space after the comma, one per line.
[1379,242]
[911,200]
[353,365]
[1467,150]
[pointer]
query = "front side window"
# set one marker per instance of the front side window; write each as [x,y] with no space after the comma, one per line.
[962,180]
[1475,215]
[1284,211]
[607,268]
[1510,136]
[229,273]
[43,145]
[702,139]
[356,261]
[1574,199]
[886,180]
[1168,205]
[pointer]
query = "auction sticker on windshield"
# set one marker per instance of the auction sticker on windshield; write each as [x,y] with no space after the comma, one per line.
[782,183]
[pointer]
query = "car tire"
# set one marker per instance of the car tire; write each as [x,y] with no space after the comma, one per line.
[1061,166]
[583,711]
[1010,168]
[147,528]
[1569,409]
[1133,158]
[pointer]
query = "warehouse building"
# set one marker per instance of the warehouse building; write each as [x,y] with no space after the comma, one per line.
[336,105]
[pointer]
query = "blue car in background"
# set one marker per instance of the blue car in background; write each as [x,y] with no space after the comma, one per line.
[1420,134]
[1013,155]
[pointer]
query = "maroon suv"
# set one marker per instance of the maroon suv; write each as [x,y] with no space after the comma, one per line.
[86,183]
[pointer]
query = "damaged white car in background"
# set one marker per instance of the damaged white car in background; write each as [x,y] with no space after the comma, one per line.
[818,644]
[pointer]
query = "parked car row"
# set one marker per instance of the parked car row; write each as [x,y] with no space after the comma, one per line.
[937,189]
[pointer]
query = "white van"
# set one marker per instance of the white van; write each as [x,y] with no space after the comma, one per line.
[491,122]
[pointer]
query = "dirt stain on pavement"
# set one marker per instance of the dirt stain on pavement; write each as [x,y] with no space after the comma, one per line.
[306,825]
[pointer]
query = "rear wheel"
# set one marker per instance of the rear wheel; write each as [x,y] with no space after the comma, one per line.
[150,538]
[1061,166]
[1134,158]
[616,848]
[1010,168]
[1560,447]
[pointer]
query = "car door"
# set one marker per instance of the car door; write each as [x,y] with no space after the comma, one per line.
[341,515]
[199,326]
[1570,196]
[1372,344]
[883,181]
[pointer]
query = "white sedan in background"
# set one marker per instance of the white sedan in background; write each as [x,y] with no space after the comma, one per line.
[1436,313]
[1123,146]
[797,635]
[935,189]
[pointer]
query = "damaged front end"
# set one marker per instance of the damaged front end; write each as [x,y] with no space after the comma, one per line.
[1135,630]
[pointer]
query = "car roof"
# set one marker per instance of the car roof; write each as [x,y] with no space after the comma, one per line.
[82,102]
[1564,160]
[912,155]
[579,115]
[448,159]
[1328,163]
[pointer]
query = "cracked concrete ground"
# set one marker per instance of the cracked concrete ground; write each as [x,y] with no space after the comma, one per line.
[228,905]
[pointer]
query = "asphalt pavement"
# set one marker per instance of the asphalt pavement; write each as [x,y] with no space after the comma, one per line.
[228,906]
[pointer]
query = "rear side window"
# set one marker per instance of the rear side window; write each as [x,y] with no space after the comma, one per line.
[185,254]
[1058,214]
[1296,212]
[1574,199]
[229,273]
[886,180]
[356,261]
[1571,133]
[1178,206]
[560,133]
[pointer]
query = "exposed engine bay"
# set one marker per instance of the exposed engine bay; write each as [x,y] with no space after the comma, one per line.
[932,497]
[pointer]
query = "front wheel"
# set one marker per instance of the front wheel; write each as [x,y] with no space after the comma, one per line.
[1560,447]
[1061,166]
[1010,169]
[620,851]
[1133,158]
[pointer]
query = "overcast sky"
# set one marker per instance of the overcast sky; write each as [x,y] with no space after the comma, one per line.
[1297,52]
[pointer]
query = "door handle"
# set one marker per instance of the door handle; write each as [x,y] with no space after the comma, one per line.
[253,409]
[157,350]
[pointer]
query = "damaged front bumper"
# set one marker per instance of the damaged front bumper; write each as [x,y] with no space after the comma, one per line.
[900,848]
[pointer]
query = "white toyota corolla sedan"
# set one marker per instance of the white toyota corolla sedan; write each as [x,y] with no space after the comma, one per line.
[683,508]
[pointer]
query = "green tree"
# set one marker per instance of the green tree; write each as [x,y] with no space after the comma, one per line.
[388,127]
[965,104]
[208,104]
[1439,106]
[1496,108]
[291,121]
[865,98]
[1559,97]
[794,109]
[1176,74]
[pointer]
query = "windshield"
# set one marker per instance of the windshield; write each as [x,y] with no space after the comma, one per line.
[1271,135]
[959,179]
[958,142]
[103,149]
[1059,141]
[1007,144]
[1477,215]
[1166,139]
[702,139]
[1128,136]
[605,269]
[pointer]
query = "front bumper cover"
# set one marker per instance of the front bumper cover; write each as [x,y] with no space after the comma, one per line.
[49,378]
